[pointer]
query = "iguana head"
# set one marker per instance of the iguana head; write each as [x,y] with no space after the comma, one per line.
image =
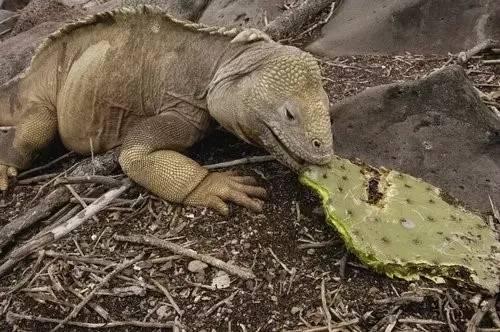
[282,106]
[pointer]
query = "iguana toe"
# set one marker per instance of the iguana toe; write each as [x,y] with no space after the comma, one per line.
[218,188]
[5,173]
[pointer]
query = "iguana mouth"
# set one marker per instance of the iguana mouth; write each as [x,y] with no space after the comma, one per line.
[282,152]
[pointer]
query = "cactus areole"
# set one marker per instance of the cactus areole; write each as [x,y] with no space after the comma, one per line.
[404,227]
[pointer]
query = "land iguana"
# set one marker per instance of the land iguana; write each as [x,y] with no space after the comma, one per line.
[142,80]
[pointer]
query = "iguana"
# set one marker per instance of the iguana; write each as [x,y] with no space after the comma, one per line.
[149,83]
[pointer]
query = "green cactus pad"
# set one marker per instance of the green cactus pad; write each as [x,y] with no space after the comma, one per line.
[404,227]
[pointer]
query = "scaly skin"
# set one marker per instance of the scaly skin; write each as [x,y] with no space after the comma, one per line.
[149,83]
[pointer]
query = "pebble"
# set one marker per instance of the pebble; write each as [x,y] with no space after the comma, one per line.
[295,310]
[197,266]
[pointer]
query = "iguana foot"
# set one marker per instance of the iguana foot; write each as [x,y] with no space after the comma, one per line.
[218,188]
[6,172]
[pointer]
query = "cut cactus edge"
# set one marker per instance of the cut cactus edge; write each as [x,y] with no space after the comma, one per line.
[404,271]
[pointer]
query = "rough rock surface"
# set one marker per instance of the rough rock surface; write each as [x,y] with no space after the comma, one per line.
[16,52]
[242,12]
[13,4]
[40,11]
[418,26]
[435,128]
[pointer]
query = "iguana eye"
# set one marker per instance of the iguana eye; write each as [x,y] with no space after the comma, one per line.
[289,114]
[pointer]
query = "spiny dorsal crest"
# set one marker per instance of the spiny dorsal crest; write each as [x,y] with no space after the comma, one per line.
[238,34]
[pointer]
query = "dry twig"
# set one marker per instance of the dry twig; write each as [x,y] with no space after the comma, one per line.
[464,57]
[44,167]
[165,291]
[97,179]
[218,304]
[53,201]
[56,233]
[11,317]
[474,322]
[242,161]
[104,281]
[177,249]
[326,310]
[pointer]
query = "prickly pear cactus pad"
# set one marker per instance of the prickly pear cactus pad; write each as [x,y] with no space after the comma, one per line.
[405,227]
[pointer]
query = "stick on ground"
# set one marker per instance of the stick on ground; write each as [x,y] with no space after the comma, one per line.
[105,164]
[104,281]
[242,161]
[63,229]
[177,249]
[464,57]
[11,317]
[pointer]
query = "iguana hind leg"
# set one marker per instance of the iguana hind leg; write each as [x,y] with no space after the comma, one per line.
[149,156]
[18,145]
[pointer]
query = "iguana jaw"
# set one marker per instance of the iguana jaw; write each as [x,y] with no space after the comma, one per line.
[273,141]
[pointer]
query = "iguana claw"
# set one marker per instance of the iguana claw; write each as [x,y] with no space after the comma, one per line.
[5,173]
[218,188]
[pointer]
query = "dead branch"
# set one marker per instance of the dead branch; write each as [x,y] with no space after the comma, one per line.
[420,321]
[36,179]
[46,237]
[326,311]
[103,164]
[491,62]
[484,308]
[241,272]
[104,281]
[27,278]
[242,161]
[322,22]
[43,167]
[11,317]
[218,304]
[165,291]
[88,260]
[333,327]
[400,300]
[97,179]
[294,19]
[464,57]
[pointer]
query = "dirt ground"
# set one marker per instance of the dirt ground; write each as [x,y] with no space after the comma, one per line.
[300,262]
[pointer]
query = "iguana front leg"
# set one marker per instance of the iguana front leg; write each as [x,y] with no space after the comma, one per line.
[150,157]
[35,130]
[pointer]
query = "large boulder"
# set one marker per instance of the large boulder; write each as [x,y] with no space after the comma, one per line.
[41,11]
[16,52]
[436,128]
[418,26]
[246,13]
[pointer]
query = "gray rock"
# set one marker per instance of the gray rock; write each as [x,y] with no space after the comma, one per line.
[241,12]
[197,266]
[418,26]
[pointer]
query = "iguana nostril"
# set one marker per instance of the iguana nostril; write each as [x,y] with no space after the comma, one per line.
[316,143]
